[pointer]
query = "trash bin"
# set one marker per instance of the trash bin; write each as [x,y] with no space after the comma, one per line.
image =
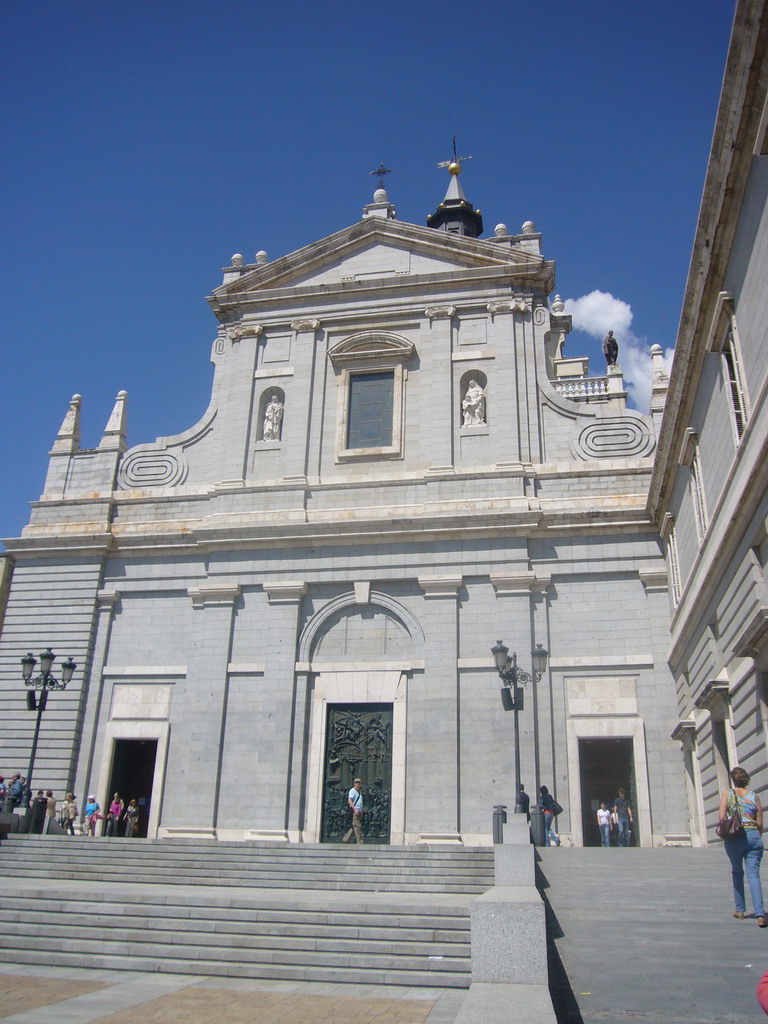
[538,832]
[499,820]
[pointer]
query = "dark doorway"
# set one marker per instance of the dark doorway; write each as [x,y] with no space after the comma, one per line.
[133,773]
[358,745]
[605,765]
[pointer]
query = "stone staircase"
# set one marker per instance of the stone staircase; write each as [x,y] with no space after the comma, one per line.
[393,915]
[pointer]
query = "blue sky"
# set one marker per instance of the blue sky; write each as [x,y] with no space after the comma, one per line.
[145,142]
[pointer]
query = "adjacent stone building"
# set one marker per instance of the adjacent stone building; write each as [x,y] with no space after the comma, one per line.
[709,487]
[398,467]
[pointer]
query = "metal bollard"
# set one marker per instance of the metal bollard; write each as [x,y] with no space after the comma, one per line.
[538,832]
[499,819]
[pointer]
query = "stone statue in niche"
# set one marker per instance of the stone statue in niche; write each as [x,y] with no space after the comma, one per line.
[273,418]
[473,406]
[610,349]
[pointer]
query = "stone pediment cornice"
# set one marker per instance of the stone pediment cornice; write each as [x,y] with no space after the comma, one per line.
[469,253]
[371,345]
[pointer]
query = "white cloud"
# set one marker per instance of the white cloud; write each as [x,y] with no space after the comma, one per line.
[599,312]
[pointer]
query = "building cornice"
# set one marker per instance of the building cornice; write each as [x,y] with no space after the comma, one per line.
[738,122]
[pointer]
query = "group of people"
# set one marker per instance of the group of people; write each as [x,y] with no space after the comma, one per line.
[618,820]
[119,819]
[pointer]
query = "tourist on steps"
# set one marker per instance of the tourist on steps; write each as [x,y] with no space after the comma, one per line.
[745,849]
[549,807]
[355,801]
[604,824]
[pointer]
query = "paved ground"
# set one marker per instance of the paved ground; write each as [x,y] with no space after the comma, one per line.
[648,936]
[55,995]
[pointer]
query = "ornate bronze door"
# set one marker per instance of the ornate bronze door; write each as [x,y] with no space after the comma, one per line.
[358,745]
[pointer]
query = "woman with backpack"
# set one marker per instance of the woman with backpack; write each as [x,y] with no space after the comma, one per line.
[551,808]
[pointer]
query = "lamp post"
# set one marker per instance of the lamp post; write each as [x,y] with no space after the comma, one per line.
[43,682]
[512,693]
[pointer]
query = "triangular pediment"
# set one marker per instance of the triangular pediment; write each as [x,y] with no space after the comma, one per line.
[374,250]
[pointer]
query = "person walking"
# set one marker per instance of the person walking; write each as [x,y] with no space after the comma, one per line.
[92,811]
[68,814]
[746,849]
[114,814]
[549,806]
[604,824]
[525,802]
[355,801]
[15,792]
[131,819]
[50,810]
[622,808]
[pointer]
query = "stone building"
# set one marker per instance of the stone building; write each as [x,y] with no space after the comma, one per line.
[708,492]
[398,467]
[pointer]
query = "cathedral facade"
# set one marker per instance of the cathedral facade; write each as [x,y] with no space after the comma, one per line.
[399,467]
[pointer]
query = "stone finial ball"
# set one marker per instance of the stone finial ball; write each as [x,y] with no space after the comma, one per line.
[657,350]
[380,195]
[528,228]
[454,167]
[558,305]
[261,257]
[500,230]
[237,260]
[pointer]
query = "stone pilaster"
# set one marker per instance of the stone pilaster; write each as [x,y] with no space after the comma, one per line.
[524,623]
[298,415]
[288,694]
[92,711]
[439,423]
[193,788]
[433,725]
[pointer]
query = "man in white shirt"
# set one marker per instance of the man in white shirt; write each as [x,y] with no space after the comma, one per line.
[355,801]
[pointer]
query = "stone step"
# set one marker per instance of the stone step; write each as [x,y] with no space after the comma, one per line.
[340,974]
[267,926]
[482,854]
[158,950]
[477,859]
[74,928]
[274,880]
[332,868]
[422,930]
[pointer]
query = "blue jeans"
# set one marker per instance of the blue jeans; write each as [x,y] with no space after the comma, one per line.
[552,838]
[746,850]
[623,832]
[605,835]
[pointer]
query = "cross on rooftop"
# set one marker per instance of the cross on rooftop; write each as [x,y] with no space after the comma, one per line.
[381,170]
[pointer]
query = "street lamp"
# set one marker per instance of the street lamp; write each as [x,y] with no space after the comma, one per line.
[512,693]
[43,682]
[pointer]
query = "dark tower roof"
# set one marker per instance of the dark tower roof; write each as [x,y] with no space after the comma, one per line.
[456,214]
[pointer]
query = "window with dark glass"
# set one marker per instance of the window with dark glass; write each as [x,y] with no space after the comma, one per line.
[370,410]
